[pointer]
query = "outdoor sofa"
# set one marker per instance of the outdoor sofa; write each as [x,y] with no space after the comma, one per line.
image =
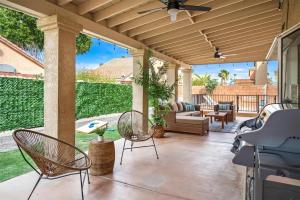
[186,118]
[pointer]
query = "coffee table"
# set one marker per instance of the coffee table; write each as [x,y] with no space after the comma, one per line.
[218,115]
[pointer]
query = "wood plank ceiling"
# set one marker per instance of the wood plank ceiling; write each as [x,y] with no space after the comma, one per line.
[245,28]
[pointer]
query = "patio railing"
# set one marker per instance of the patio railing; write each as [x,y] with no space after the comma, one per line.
[246,103]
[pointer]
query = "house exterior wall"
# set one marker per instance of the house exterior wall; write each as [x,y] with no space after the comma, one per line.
[235,90]
[23,64]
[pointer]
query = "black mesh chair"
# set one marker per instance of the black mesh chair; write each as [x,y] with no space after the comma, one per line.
[53,158]
[131,128]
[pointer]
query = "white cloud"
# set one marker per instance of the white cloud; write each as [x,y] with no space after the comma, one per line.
[240,69]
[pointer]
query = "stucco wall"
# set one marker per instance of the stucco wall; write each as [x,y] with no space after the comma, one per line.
[20,62]
[235,90]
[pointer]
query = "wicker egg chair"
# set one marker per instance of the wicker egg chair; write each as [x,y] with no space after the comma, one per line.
[53,158]
[130,127]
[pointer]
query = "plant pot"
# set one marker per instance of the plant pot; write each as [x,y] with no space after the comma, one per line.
[159,131]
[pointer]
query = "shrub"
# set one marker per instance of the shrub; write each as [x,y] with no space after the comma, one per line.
[22,101]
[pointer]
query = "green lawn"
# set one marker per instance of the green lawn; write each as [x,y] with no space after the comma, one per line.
[12,164]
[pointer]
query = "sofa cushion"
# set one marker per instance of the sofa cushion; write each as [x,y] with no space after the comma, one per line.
[180,107]
[224,106]
[188,106]
[190,113]
[190,119]
[174,107]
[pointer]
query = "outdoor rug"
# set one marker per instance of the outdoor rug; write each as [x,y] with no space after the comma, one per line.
[231,127]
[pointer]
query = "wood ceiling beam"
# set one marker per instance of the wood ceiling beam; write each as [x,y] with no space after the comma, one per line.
[241,53]
[227,49]
[90,5]
[246,29]
[192,51]
[271,29]
[117,8]
[227,60]
[191,48]
[219,11]
[42,8]
[250,47]
[221,44]
[204,46]
[165,29]
[200,40]
[253,54]
[141,26]
[243,14]
[63,2]
[265,33]
[132,14]
[267,16]
[178,40]
[152,17]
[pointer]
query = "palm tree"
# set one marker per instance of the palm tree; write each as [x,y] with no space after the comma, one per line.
[200,80]
[223,74]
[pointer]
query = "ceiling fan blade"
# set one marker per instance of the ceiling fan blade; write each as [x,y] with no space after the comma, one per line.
[167,1]
[228,55]
[195,8]
[152,10]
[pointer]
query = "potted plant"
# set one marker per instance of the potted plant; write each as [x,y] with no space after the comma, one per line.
[100,132]
[159,92]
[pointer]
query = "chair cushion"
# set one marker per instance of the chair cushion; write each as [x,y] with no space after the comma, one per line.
[180,107]
[226,102]
[188,106]
[190,120]
[190,113]
[224,106]
[175,107]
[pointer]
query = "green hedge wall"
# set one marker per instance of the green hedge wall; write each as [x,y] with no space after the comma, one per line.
[21,101]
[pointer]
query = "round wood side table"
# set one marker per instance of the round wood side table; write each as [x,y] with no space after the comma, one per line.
[102,155]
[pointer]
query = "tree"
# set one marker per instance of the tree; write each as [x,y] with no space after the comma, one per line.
[224,75]
[211,85]
[199,80]
[21,29]
[92,77]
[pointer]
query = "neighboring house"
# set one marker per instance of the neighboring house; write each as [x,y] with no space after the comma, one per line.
[258,75]
[15,62]
[118,69]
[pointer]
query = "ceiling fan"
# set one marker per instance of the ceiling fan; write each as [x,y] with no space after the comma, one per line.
[173,7]
[218,54]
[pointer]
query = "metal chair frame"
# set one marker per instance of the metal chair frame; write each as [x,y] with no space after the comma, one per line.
[43,176]
[134,141]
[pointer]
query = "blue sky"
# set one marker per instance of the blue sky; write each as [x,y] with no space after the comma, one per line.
[102,52]
[240,69]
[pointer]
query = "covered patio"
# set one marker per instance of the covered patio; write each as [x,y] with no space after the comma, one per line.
[186,169]
[190,166]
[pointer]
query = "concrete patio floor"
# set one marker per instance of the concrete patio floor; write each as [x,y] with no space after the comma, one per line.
[190,167]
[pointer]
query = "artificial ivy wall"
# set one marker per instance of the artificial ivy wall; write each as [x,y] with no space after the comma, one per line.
[22,102]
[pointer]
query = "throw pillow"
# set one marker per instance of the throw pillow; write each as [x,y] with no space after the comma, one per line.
[180,107]
[184,106]
[189,107]
[175,107]
[224,106]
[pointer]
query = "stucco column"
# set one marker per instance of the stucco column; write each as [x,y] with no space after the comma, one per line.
[140,93]
[187,85]
[261,74]
[59,87]
[172,73]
